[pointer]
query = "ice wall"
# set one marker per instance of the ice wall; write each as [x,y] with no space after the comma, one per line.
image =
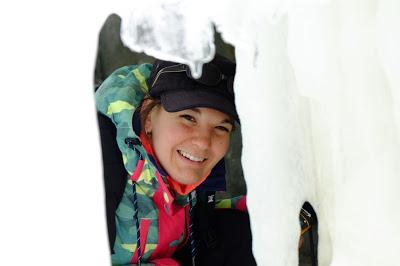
[318,92]
[354,101]
[51,191]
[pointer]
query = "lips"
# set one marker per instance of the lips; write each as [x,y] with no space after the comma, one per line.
[191,157]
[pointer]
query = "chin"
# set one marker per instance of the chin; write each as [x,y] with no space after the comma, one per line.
[185,180]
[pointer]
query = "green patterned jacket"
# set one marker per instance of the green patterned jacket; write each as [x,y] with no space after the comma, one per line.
[163,216]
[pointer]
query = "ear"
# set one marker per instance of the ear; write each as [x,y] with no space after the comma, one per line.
[147,123]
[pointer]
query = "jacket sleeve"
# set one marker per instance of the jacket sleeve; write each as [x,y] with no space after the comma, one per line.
[238,203]
[117,98]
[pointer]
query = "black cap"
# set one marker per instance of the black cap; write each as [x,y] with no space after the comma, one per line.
[174,85]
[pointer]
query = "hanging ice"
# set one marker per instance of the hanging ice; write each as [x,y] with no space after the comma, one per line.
[173,30]
[318,92]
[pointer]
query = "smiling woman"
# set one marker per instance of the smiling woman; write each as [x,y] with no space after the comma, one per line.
[173,132]
[188,143]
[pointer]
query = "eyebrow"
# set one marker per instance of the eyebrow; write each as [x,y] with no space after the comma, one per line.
[230,121]
[195,109]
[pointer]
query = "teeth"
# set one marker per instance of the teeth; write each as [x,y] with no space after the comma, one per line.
[191,157]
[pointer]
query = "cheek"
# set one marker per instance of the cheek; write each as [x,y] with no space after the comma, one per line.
[164,141]
[222,146]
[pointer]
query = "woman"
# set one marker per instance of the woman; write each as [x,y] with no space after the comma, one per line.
[173,132]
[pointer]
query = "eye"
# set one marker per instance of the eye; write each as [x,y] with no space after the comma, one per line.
[222,128]
[188,117]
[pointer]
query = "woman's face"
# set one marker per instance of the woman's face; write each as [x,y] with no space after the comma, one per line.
[189,143]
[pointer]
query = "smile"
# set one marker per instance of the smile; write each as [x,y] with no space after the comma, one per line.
[191,157]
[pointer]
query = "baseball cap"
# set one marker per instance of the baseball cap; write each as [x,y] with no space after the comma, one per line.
[174,85]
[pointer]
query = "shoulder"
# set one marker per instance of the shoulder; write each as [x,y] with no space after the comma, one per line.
[128,76]
[123,90]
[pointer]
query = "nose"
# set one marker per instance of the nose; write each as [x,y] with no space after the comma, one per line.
[202,139]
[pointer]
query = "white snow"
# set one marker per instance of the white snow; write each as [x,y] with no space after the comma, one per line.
[51,189]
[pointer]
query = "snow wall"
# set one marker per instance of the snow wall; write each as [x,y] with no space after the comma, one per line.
[318,93]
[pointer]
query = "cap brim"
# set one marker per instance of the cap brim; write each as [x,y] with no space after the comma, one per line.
[178,100]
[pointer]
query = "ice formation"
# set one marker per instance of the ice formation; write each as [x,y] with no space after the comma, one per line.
[318,92]
[51,190]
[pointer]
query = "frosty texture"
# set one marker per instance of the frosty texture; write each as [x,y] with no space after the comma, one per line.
[317,91]
[171,30]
